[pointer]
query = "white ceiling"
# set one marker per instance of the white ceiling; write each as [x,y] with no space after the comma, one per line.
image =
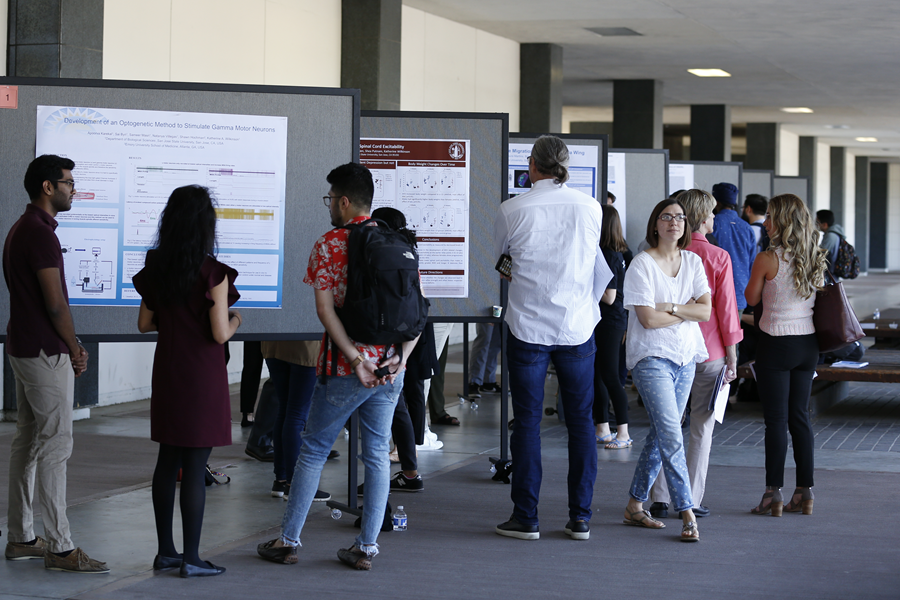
[839,58]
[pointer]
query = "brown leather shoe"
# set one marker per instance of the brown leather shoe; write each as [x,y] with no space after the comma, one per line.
[76,562]
[17,551]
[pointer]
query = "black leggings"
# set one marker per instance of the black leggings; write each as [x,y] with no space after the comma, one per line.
[192,462]
[606,376]
[784,373]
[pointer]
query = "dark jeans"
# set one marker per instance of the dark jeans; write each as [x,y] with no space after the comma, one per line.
[784,373]
[606,376]
[250,375]
[294,386]
[527,372]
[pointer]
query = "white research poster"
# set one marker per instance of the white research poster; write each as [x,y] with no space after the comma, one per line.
[615,183]
[428,181]
[681,177]
[128,162]
[583,169]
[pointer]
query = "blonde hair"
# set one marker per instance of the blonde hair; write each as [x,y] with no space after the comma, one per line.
[794,230]
[698,205]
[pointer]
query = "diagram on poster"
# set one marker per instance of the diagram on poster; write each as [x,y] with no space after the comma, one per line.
[428,181]
[615,183]
[584,165]
[128,162]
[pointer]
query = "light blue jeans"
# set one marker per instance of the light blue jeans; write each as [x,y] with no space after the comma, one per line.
[332,404]
[664,387]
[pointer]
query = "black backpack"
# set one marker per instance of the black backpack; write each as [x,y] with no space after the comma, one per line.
[384,303]
[763,237]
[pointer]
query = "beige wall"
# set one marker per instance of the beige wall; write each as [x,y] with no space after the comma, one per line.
[273,42]
[4,16]
[446,66]
[823,177]
[893,213]
[849,223]
[788,153]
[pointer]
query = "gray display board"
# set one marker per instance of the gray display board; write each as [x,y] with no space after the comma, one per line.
[573,139]
[323,132]
[707,174]
[757,182]
[646,183]
[792,184]
[488,135]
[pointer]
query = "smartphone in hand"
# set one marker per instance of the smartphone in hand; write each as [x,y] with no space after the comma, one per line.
[504,265]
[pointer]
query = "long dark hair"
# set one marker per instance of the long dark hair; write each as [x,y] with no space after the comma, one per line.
[611,230]
[186,236]
[396,220]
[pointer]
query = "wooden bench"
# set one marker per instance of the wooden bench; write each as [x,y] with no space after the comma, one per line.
[832,383]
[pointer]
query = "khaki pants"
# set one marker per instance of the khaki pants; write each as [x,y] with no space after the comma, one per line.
[702,423]
[45,388]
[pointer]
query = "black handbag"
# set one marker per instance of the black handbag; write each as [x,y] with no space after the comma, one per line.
[833,317]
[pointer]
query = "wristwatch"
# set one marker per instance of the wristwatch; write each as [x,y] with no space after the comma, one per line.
[359,358]
[674,309]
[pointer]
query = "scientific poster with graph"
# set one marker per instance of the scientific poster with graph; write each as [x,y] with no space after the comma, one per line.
[583,163]
[428,181]
[128,162]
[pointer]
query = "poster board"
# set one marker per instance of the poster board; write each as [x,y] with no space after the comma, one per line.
[587,162]
[792,184]
[313,115]
[703,175]
[487,137]
[758,182]
[645,179]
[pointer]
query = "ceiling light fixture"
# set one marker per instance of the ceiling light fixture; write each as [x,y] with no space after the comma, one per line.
[866,139]
[837,127]
[613,31]
[709,72]
[797,109]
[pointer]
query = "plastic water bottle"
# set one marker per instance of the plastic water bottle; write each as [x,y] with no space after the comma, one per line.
[399,519]
[876,315]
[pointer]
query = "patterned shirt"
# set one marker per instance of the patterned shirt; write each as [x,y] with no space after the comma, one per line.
[327,270]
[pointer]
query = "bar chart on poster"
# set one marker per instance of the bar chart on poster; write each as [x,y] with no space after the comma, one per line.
[128,162]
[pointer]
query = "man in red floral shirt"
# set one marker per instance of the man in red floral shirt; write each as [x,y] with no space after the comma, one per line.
[350,384]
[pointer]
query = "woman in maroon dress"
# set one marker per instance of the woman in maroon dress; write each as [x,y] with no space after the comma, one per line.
[186,295]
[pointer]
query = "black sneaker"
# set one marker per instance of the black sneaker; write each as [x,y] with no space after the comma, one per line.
[492,388]
[578,530]
[401,483]
[286,555]
[701,511]
[321,496]
[280,488]
[473,390]
[659,510]
[514,529]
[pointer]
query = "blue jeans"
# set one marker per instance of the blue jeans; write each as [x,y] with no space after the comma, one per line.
[527,372]
[332,404]
[294,386]
[664,387]
[483,362]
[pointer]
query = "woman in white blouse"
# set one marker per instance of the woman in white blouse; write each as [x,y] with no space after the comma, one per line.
[667,293]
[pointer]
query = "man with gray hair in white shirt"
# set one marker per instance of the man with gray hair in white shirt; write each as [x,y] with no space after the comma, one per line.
[552,234]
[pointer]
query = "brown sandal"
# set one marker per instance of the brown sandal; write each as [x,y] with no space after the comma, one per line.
[803,504]
[355,558]
[645,521]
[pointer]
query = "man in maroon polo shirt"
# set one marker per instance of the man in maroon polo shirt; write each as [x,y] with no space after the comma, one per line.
[46,357]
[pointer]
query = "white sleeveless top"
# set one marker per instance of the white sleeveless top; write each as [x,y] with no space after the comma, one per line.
[784,311]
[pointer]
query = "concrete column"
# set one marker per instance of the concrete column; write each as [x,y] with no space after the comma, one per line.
[637,113]
[370,51]
[762,146]
[55,38]
[808,157]
[878,214]
[838,174]
[540,88]
[710,132]
[861,206]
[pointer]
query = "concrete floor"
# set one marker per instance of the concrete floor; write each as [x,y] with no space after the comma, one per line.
[111,516]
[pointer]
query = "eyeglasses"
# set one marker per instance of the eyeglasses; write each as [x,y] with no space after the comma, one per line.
[71,182]
[328,199]
[668,217]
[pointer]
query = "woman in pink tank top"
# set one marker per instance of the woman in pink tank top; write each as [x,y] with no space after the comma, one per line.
[785,278]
